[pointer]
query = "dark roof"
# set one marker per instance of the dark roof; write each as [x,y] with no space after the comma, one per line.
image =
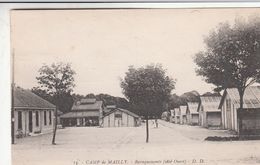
[105,110]
[111,106]
[26,99]
[88,101]
[80,114]
[89,106]
[251,97]
[122,110]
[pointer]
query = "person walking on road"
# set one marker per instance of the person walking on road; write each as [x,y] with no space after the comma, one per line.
[156,123]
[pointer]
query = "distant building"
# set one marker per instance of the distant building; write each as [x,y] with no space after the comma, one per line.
[209,114]
[183,116]
[172,116]
[165,116]
[86,112]
[32,114]
[108,108]
[250,114]
[121,118]
[192,113]
[177,117]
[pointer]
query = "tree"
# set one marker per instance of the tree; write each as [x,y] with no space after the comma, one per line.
[57,80]
[90,96]
[175,101]
[106,98]
[147,89]
[192,96]
[64,103]
[232,56]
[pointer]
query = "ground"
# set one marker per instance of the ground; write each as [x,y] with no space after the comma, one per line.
[179,144]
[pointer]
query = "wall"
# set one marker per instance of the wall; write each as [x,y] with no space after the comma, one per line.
[201,116]
[127,120]
[213,119]
[36,129]
[194,119]
[183,119]
[131,121]
[229,114]
[224,115]
[48,127]
[204,119]
[188,117]
[177,119]
[250,122]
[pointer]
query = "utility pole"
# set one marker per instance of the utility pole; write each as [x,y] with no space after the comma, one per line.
[12,102]
[12,123]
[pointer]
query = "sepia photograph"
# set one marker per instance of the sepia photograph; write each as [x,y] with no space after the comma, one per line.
[126,86]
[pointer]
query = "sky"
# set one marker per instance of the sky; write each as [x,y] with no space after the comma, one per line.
[102,44]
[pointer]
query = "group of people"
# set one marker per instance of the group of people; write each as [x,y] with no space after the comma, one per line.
[155,122]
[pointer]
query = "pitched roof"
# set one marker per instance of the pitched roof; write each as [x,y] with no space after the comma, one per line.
[89,106]
[80,114]
[123,110]
[210,103]
[88,101]
[193,107]
[251,97]
[111,106]
[26,99]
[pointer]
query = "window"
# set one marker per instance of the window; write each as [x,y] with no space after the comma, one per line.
[20,120]
[37,118]
[50,117]
[118,115]
[45,118]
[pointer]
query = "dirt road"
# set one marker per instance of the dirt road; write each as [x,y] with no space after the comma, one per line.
[168,144]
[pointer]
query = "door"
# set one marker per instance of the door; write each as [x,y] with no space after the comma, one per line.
[30,121]
[118,122]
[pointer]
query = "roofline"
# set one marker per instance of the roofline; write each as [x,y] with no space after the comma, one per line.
[73,110]
[76,117]
[192,102]
[35,95]
[194,113]
[40,108]
[110,112]
[79,116]
[222,99]
[120,109]
[213,111]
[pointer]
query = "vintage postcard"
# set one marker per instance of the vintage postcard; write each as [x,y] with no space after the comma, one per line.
[135,86]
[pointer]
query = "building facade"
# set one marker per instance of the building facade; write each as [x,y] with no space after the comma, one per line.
[183,116]
[177,115]
[250,114]
[121,118]
[209,114]
[172,116]
[192,113]
[86,112]
[32,114]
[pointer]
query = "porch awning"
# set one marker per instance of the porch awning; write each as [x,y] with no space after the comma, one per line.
[80,114]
